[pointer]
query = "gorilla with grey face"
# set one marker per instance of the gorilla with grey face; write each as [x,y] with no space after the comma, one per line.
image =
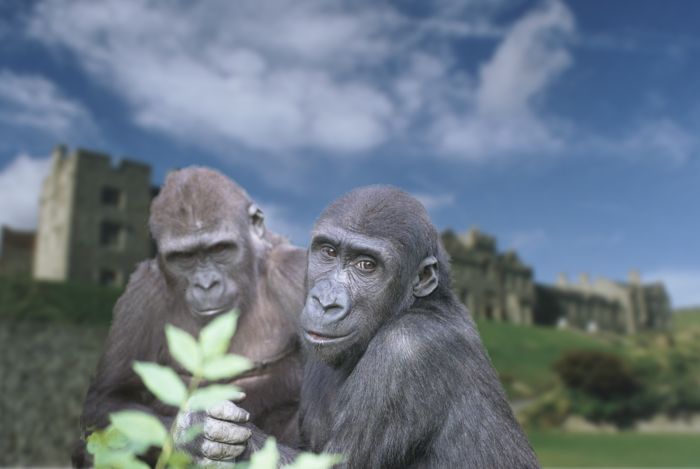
[395,372]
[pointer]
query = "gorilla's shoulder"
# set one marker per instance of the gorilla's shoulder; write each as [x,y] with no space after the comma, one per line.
[146,275]
[143,292]
[420,337]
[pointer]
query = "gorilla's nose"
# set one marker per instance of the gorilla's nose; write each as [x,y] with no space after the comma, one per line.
[206,281]
[332,298]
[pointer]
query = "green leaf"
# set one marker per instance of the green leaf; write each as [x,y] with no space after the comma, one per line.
[226,366]
[184,348]
[139,427]
[118,460]
[180,459]
[203,398]
[267,457]
[315,461]
[190,434]
[163,382]
[215,337]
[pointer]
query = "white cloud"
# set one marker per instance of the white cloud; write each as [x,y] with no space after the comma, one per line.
[34,101]
[288,76]
[661,138]
[527,240]
[682,284]
[271,75]
[279,220]
[20,188]
[433,202]
[503,118]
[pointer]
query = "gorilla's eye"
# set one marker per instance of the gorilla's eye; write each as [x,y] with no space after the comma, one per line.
[366,265]
[220,248]
[181,257]
[329,251]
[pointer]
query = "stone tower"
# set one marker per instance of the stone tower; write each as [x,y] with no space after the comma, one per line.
[93,219]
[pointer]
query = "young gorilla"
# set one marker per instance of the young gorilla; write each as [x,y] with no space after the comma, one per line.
[214,254]
[396,374]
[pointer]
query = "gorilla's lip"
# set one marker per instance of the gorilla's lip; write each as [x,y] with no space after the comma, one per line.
[212,311]
[319,338]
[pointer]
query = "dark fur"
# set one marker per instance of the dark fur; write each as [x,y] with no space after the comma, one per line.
[266,327]
[422,392]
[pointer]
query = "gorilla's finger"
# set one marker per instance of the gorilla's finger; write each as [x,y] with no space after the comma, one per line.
[220,451]
[212,464]
[225,432]
[228,411]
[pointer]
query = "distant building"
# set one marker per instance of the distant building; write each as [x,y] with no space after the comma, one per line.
[93,219]
[492,285]
[605,304]
[499,286]
[17,251]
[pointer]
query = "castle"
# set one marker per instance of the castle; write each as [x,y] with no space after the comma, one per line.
[93,228]
[499,286]
[93,222]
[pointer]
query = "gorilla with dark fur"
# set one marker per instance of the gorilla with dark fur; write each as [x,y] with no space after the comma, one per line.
[214,254]
[395,374]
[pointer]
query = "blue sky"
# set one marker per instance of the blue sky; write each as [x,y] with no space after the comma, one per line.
[567,129]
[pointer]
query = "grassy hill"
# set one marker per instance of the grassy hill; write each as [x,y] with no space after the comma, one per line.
[686,318]
[523,355]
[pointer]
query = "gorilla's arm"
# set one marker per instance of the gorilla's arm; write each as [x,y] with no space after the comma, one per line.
[132,336]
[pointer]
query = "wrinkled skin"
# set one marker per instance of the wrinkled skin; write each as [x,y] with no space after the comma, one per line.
[223,437]
[214,254]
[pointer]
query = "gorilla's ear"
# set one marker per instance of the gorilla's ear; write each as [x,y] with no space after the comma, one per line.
[427,279]
[257,220]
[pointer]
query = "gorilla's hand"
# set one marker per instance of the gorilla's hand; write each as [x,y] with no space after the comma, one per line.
[222,438]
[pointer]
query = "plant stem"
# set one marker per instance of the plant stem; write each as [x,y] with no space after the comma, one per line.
[169,444]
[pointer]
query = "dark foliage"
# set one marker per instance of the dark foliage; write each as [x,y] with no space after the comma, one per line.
[24,299]
[602,375]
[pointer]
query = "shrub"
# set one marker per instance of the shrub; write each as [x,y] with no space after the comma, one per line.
[602,387]
[602,375]
[22,298]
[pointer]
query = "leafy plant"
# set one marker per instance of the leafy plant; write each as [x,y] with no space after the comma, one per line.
[131,432]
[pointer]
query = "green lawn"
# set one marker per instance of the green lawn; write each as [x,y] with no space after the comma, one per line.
[616,450]
[685,318]
[525,354]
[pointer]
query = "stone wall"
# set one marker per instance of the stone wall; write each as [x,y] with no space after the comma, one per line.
[492,285]
[93,219]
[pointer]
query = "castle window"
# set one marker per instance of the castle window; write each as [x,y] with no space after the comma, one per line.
[108,278]
[111,196]
[111,235]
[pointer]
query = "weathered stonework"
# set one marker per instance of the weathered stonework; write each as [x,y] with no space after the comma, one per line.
[499,286]
[17,251]
[492,285]
[92,219]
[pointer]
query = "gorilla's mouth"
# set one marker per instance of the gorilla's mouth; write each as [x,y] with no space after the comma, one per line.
[211,312]
[318,338]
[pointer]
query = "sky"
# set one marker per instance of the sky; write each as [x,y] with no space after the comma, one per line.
[569,130]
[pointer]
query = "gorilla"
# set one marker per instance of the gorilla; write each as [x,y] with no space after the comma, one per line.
[395,373]
[214,254]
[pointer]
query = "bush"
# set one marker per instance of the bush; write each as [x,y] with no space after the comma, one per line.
[22,298]
[602,387]
[600,374]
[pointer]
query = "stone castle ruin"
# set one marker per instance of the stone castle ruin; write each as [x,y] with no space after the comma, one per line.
[499,286]
[93,221]
[93,228]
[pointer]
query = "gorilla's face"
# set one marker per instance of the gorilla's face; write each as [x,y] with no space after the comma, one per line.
[354,284]
[214,268]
